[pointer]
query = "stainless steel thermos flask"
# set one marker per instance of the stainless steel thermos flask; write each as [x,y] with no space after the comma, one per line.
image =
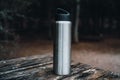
[62,43]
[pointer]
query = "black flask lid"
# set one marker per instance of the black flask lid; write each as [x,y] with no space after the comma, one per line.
[62,15]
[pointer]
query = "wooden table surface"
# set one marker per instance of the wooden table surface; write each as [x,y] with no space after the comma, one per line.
[40,67]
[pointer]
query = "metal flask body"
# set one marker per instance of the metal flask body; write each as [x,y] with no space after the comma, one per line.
[62,45]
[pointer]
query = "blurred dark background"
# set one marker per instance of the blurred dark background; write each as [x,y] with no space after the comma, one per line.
[36,17]
[27,28]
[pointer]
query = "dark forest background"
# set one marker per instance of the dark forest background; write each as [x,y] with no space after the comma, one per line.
[95,18]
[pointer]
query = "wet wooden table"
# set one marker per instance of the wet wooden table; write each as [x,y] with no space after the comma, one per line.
[39,67]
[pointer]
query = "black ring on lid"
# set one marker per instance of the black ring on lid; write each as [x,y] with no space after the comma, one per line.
[62,15]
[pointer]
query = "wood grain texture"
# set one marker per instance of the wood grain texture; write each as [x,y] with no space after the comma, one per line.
[40,67]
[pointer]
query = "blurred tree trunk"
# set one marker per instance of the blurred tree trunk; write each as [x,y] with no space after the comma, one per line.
[76,33]
[49,18]
[6,27]
[48,12]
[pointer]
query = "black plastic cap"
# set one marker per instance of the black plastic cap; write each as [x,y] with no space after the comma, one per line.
[62,15]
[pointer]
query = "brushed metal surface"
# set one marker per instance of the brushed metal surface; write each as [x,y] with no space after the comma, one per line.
[62,48]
